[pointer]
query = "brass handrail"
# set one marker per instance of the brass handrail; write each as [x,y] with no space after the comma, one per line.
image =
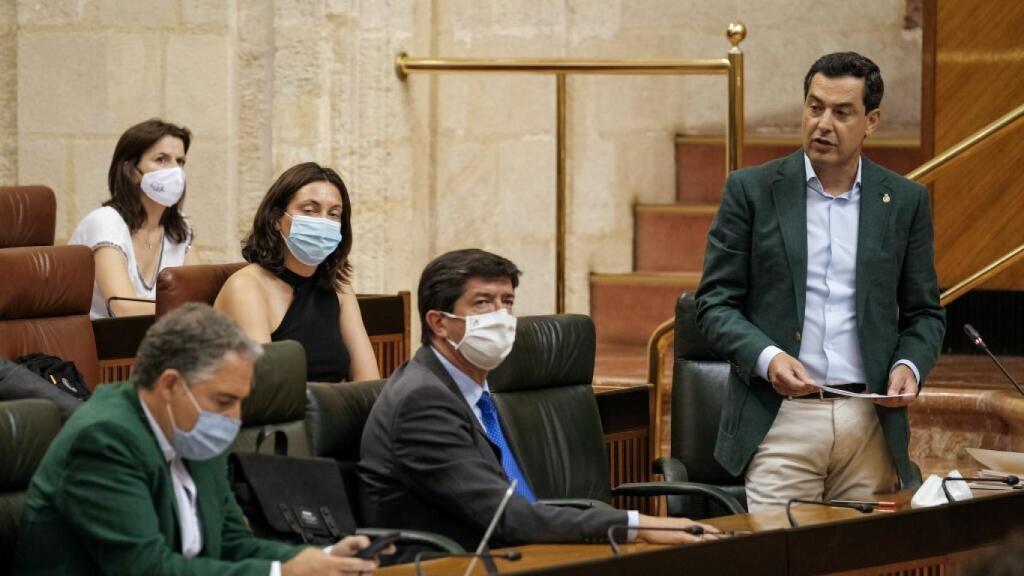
[929,170]
[731,65]
[406,64]
[981,276]
[663,335]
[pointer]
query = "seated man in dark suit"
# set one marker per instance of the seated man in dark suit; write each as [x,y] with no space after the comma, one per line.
[433,454]
[136,481]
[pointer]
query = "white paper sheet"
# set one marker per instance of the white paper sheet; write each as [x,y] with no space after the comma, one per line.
[842,392]
[999,461]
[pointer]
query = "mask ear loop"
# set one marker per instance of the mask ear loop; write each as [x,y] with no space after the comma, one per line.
[464,334]
[170,412]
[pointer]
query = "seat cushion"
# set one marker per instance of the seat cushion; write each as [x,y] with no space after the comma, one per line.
[277,401]
[28,216]
[26,429]
[556,434]
[200,283]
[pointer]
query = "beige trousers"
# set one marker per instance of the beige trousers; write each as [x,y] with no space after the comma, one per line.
[830,449]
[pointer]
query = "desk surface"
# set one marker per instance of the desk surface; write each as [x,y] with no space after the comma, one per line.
[842,539]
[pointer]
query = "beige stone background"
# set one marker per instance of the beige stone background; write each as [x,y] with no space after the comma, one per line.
[432,163]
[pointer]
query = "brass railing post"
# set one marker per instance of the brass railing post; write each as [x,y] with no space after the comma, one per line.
[736,32]
[561,225]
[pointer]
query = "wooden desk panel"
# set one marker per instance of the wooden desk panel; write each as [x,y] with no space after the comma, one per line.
[626,419]
[906,542]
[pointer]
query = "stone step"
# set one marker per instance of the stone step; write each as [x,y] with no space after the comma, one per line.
[626,308]
[671,237]
[700,160]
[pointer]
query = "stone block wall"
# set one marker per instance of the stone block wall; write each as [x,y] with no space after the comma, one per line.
[432,163]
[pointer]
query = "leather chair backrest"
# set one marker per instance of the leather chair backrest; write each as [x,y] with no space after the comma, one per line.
[26,429]
[201,283]
[28,216]
[699,384]
[45,297]
[544,395]
[277,400]
[335,416]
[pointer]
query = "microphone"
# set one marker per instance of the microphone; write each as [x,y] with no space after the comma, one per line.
[862,507]
[975,339]
[510,555]
[693,529]
[1009,480]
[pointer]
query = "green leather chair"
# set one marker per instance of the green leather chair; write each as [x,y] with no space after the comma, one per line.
[335,416]
[543,392]
[699,384]
[26,429]
[277,401]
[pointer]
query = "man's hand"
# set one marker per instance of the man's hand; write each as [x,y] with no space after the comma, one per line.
[645,533]
[901,381]
[789,377]
[350,545]
[316,562]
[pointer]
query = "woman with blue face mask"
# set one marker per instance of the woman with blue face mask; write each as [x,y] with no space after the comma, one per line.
[298,283]
[141,230]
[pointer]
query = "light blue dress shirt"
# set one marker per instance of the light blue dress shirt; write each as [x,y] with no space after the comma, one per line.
[829,347]
[472,392]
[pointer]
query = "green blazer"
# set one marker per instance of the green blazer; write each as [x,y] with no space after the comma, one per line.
[101,501]
[752,293]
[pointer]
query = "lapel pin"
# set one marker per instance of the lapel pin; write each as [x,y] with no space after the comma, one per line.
[886,198]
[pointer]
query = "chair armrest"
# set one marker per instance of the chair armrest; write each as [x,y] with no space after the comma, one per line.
[680,489]
[579,503]
[437,541]
[672,469]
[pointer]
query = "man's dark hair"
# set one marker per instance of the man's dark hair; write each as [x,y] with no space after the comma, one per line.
[839,64]
[444,280]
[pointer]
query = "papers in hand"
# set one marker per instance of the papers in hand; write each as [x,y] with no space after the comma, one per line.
[842,392]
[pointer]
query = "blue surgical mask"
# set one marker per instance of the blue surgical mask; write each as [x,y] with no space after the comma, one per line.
[311,240]
[210,437]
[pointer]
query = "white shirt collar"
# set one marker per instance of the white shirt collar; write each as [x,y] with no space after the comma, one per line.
[471,391]
[814,181]
[165,446]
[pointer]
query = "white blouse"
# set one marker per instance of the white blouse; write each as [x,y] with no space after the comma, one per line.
[105,227]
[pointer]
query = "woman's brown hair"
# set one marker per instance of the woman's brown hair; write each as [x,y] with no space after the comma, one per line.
[265,244]
[125,191]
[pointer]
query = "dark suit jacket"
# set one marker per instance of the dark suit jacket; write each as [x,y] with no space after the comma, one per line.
[102,501]
[754,283]
[426,464]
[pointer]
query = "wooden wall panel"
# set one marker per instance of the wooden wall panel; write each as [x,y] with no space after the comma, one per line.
[978,204]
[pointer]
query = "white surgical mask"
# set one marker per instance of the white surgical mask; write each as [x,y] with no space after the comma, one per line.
[931,494]
[164,187]
[488,338]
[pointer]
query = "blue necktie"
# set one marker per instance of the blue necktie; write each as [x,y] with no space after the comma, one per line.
[508,460]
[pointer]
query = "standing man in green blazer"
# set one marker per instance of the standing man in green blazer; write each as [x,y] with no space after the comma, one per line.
[819,270]
[136,481]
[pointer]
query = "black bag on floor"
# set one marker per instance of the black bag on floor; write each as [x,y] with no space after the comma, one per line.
[61,373]
[297,500]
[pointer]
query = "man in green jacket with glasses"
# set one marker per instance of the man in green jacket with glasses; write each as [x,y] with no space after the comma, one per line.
[136,481]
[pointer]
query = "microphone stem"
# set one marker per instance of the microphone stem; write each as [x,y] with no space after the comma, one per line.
[1004,370]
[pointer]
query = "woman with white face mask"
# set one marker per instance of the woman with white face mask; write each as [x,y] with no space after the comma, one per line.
[298,283]
[141,229]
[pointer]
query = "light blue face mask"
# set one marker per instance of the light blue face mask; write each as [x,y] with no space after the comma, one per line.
[210,437]
[311,240]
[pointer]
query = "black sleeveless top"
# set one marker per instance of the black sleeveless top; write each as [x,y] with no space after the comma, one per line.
[313,319]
